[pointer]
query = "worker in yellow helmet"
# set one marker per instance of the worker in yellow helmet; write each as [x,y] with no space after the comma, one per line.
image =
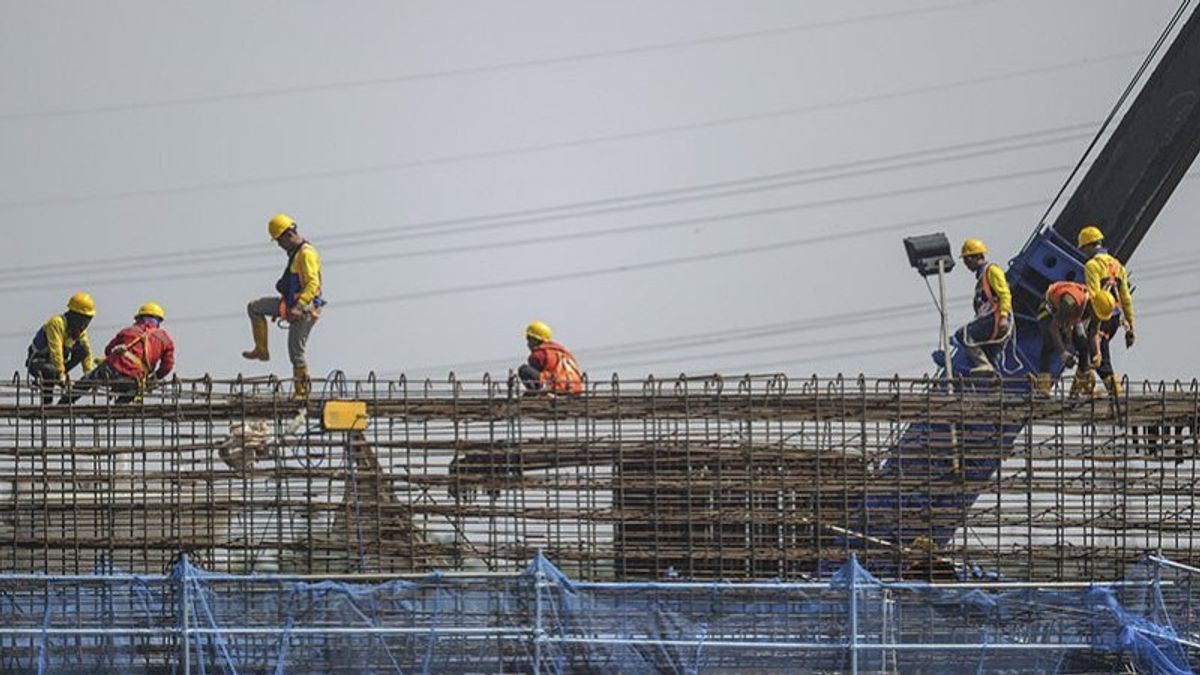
[986,334]
[1108,285]
[298,302]
[551,367]
[137,355]
[61,344]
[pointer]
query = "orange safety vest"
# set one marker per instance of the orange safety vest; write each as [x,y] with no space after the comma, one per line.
[1060,289]
[562,373]
[985,301]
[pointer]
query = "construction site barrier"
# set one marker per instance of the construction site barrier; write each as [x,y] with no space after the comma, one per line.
[542,621]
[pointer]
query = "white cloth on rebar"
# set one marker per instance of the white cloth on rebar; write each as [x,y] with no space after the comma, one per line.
[253,440]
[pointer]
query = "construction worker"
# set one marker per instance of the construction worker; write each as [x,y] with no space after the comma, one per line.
[61,344]
[985,336]
[298,304]
[1063,321]
[138,354]
[1112,303]
[550,368]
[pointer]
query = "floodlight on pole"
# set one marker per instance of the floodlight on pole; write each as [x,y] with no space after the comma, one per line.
[929,254]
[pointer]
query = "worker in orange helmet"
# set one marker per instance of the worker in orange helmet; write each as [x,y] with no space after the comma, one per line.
[137,355]
[1063,319]
[1112,303]
[986,334]
[550,368]
[61,344]
[298,302]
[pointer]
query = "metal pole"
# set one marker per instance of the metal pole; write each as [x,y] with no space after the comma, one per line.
[945,318]
[853,615]
[539,636]
[185,598]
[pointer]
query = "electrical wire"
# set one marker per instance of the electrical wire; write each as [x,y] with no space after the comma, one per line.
[522,64]
[779,113]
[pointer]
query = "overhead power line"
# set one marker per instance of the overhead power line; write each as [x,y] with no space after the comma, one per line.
[93,282]
[778,113]
[522,64]
[648,199]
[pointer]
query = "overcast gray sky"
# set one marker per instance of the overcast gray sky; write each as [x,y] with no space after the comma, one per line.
[672,185]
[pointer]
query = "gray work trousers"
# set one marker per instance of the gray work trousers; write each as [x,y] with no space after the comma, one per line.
[298,331]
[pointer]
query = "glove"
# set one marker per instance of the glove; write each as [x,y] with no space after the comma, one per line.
[1130,337]
[1097,359]
[1068,359]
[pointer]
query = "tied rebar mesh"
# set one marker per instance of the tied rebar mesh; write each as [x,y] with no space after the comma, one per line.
[755,477]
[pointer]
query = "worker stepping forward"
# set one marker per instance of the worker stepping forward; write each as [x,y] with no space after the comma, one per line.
[61,344]
[135,358]
[1112,303]
[551,368]
[298,303]
[984,337]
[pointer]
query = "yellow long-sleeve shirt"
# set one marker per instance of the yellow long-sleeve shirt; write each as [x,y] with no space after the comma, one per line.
[58,340]
[307,265]
[1097,272]
[1001,295]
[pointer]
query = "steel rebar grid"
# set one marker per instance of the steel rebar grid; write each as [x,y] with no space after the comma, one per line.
[756,477]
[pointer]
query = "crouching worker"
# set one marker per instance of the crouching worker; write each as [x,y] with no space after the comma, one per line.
[138,354]
[984,337]
[551,368]
[1063,321]
[60,345]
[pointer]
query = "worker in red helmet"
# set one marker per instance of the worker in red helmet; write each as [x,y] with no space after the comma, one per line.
[298,303]
[1063,319]
[986,334]
[550,368]
[137,355]
[61,344]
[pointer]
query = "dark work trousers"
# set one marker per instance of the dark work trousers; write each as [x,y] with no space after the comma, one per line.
[105,376]
[530,377]
[1072,338]
[1107,330]
[42,371]
[979,330]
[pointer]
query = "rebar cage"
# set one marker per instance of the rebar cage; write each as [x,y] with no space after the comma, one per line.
[754,477]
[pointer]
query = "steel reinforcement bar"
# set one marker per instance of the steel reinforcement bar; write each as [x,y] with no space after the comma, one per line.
[752,477]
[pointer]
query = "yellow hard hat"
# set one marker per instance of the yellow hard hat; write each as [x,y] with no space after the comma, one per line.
[82,303]
[972,247]
[152,309]
[1103,306]
[279,223]
[539,331]
[1089,235]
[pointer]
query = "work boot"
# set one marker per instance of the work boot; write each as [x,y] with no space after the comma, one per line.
[258,327]
[300,383]
[1083,384]
[979,361]
[1113,385]
[1041,385]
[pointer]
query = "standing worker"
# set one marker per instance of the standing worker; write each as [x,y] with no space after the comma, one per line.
[550,368]
[61,344]
[1063,321]
[1112,303]
[985,336]
[137,354]
[299,301]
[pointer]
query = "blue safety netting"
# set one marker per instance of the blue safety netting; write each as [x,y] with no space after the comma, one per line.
[193,621]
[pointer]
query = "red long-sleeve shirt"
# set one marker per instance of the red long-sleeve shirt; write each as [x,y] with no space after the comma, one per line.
[153,354]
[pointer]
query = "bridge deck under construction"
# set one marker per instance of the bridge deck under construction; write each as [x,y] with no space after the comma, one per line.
[735,478]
